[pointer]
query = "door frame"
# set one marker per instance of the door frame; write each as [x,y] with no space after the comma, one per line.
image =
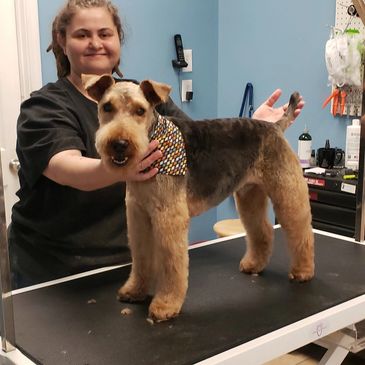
[20,73]
[29,50]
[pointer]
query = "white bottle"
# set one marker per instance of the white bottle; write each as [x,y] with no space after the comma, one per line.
[353,145]
[305,148]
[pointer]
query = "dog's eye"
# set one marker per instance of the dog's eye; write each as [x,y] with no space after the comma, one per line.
[108,107]
[140,111]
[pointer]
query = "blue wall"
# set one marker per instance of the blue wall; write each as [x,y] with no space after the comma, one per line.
[277,44]
[271,43]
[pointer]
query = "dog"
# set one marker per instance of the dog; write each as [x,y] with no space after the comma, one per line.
[216,158]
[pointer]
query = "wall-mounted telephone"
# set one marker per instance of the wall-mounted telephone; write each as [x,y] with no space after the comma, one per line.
[180,61]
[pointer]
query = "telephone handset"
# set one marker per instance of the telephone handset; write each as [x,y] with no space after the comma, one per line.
[180,61]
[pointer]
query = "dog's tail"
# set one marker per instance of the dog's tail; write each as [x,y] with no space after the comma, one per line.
[288,116]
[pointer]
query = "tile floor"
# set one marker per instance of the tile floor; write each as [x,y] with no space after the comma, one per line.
[311,355]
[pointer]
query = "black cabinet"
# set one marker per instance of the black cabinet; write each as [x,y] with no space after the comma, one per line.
[333,203]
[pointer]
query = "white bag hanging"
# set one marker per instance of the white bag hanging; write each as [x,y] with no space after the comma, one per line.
[343,58]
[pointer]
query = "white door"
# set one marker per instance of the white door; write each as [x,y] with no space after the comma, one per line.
[20,73]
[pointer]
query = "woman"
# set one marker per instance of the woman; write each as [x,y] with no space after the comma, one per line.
[71,214]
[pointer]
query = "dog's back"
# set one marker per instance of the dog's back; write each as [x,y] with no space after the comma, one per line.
[221,154]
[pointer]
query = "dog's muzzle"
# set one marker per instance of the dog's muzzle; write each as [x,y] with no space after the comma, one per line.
[118,150]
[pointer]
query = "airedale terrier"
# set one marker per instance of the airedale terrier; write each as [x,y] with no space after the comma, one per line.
[215,158]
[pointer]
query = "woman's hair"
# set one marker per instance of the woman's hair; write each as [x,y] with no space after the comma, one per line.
[63,19]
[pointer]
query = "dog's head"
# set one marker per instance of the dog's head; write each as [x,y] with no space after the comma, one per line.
[126,112]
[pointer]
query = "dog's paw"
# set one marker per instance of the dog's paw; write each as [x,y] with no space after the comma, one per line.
[250,266]
[160,310]
[129,294]
[301,276]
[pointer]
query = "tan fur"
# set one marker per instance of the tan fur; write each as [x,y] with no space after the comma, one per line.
[159,209]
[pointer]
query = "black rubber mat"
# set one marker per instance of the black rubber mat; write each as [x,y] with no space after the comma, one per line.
[80,322]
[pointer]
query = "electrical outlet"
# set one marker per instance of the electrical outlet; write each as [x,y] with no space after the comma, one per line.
[186,85]
[188,55]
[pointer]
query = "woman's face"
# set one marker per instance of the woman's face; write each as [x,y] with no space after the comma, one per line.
[92,43]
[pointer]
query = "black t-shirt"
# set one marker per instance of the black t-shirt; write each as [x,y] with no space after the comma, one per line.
[57,230]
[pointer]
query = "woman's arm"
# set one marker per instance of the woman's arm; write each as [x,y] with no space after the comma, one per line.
[72,169]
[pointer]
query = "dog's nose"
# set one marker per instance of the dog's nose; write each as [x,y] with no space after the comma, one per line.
[119,146]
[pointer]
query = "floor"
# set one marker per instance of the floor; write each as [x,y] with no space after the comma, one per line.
[311,355]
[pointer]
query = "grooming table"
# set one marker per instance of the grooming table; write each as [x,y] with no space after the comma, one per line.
[228,318]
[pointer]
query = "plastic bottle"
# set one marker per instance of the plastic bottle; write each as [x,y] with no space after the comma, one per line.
[305,148]
[353,145]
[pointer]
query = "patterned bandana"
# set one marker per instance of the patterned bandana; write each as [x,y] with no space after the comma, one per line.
[172,146]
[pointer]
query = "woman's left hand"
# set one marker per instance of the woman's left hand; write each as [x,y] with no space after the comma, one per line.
[266,111]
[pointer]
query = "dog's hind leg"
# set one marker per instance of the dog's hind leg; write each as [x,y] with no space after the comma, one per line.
[170,226]
[141,244]
[290,198]
[251,203]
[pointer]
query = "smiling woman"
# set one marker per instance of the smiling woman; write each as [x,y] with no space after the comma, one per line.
[87,38]
[91,43]
[71,213]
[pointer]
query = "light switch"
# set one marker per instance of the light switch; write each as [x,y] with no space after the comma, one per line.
[188,55]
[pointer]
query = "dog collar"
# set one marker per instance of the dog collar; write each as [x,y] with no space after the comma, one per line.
[172,146]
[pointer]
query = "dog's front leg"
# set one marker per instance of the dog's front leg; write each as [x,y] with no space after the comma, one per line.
[140,239]
[170,226]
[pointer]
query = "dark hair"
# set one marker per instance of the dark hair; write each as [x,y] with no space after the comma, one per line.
[63,19]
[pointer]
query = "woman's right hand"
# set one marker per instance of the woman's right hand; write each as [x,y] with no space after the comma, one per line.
[141,171]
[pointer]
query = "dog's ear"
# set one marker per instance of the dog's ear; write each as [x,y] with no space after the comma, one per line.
[96,85]
[155,92]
